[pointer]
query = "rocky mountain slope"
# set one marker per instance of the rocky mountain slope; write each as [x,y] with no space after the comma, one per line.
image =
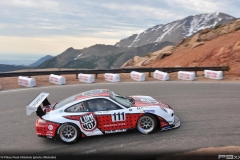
[100,56]
[211,47]
[8,68]
[177,30]
[40,61]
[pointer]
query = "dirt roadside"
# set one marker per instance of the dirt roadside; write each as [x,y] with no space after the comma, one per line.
[207,154]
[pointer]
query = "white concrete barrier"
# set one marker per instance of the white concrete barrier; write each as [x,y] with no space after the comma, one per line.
[112,77]
[27,82]
[163,76]
[213,74]
[186,75]
[137,76]
[87,78]
[57,79]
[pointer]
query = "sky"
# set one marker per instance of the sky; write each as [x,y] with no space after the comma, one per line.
[31,29]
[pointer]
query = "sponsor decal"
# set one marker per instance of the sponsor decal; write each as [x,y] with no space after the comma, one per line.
[211,75]
[102,112]
[83,77]
[50,127]
[158,75]
[23,82]
[119,116]
[109,77]
[53,79]
[31,109]
[49,134]
[115,131]
[116,124]
[36,102]
[184,76]
[135,76]
[139,108]
[130,110]
[148,111]
[88,122]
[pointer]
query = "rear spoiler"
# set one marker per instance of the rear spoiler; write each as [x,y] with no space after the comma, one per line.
[36,103]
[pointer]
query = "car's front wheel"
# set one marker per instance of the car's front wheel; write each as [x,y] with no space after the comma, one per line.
[68,133]
[147,124]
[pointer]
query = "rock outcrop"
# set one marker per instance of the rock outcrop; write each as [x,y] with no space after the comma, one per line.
[219,46]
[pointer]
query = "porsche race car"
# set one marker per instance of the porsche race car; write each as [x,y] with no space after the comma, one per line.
[99,112]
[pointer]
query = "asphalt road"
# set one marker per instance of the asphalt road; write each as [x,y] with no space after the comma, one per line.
[208,111]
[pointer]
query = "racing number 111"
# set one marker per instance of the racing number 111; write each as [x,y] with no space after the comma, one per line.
[118,116]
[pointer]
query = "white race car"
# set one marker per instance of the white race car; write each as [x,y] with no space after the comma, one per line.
[99,112]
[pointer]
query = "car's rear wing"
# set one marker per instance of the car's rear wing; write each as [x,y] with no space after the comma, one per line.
[36,102]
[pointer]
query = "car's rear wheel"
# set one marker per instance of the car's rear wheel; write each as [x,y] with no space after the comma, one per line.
[68,133]
[147,124]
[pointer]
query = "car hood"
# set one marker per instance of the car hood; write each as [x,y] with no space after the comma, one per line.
[145,101]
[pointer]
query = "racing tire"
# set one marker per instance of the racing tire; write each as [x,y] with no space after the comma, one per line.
[68,133]
[147,124]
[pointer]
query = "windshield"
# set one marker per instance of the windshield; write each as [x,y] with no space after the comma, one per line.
[65,101]
[122,100]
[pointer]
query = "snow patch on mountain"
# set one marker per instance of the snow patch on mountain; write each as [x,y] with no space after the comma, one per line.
[177,30]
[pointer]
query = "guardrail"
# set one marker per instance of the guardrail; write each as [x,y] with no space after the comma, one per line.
[101,71]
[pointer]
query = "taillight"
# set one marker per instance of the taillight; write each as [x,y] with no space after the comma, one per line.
[41,121]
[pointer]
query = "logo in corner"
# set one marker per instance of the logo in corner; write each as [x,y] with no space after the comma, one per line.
[88,122]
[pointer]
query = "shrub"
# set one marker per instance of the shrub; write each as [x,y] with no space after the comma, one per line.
[217,26]
[147,55]
[237,28]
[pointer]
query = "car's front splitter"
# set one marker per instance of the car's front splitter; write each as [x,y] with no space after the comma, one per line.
[176,124]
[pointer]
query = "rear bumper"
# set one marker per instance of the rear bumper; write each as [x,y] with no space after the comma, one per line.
[47,129]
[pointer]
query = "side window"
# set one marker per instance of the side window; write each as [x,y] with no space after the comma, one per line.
[101,104]
[77,108]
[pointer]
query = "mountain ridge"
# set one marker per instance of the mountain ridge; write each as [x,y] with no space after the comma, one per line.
[219,46]
[177,30]
[100,56]
[40,61]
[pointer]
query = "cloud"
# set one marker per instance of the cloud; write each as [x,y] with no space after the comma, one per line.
[199,5]
[192,7]
[142,12]
[52,44]
[43,4]
[53,25]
